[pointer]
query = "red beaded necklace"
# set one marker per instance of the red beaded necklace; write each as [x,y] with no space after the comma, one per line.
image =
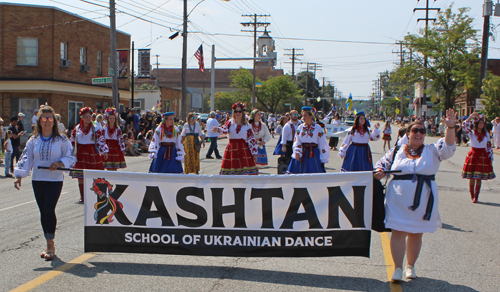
[256,129]
[416,155]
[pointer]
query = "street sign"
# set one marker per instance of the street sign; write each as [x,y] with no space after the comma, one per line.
[103,80]
[397,111]
[479,104]
[410,106]
[424,107]
[111,72]
[288,104]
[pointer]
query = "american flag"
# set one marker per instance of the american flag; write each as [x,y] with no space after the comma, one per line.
[199,56]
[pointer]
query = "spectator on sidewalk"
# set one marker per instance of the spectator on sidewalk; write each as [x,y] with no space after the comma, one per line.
[16,141]
[213,136]
[33,118]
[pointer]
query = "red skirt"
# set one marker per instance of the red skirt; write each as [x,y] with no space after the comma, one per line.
[238,159]
[387,137]
[115,156]
[87,157]
[478,165]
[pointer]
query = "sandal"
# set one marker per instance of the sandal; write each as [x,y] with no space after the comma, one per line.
[49,253]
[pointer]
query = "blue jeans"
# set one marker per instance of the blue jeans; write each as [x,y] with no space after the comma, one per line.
[47,194]
[7,162]
[213,147]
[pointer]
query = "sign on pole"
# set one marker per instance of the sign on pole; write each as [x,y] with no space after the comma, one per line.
[104,80]
[479,104]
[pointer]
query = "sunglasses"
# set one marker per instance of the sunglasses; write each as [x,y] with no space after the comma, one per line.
[295,115]
[44,119]
[236,112]
[192,118]
[417,130]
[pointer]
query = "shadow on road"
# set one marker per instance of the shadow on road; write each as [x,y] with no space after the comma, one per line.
[233,273]
[453,228]
[429,285]
[488,204]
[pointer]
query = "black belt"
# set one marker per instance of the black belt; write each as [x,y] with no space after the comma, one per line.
[421,179]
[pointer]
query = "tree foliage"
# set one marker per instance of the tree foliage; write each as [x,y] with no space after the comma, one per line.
[308,84]
[451,49]
[491,96]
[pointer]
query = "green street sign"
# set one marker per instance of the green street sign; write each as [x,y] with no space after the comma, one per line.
[288,104]
[111,72]
[104,80]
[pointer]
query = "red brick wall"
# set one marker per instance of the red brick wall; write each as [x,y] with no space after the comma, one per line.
[51,27]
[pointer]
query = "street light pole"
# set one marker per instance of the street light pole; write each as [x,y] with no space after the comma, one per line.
[184,64]
[487,12]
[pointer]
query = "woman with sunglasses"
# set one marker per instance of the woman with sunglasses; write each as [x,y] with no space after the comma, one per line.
[166,148]
[192,135]
[50,149]
[412,201]
[355,150]
[89,145]
[478,164]
[241,151]
[310,148]
[114,139]
[261,134]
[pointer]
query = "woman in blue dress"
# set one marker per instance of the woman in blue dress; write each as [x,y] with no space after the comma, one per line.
[310,148]
[166,148]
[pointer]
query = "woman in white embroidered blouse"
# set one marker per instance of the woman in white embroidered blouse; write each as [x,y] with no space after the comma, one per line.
[114,139]
[46,148]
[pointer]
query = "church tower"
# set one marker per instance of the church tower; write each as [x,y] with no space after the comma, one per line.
[265,49]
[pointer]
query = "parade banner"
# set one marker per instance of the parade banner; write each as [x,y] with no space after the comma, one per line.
[311,215]
[144,63]
[336,130]
[122,56]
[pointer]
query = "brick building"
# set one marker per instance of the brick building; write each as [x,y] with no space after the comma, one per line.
[48,55]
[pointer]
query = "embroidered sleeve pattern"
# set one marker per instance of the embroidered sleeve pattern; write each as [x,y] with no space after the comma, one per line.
[386,161]
[444,151]
[101,142]
[119,137]
[225,128]
[467,127]
[345,145]
[72,138]
[375,135]
[252,143]
[297,144]
[68,156]
[323,146]
[180,147]
[25,163]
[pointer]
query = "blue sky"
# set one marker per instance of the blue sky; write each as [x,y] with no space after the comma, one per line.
[352,40]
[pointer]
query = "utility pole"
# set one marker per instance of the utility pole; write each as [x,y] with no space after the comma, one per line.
[427,9]
[184,63]
[255,24]
[487,12]
[293,58]
[114,77]
[401,54]
[132,75]
[157,70]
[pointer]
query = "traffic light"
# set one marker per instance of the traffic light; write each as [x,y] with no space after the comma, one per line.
[361,102]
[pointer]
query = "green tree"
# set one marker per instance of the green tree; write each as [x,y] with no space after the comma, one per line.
[491,96]
[224,100]
[452,59]
[276,91]
[306,80]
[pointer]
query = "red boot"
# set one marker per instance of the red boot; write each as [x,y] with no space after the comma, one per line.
[471,190]
[81,192]
[476,193]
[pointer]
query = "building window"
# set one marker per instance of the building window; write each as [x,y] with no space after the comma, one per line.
[64,51]
[73,113]
[83,56]
[27,51]
[99,63]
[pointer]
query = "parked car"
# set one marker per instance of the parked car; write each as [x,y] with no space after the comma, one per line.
[349,121]
[203,117]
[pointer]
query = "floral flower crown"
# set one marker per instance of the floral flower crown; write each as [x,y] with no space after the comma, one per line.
[109,111]
[240,105]
[479,117]
[85,110]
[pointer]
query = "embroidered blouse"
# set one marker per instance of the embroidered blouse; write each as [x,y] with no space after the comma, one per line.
[40,152]
[263,134]
[474,142]
[388,130]
[116,135]
[244,132]
[159,138]
[81,138]
[372,135]
[311,134]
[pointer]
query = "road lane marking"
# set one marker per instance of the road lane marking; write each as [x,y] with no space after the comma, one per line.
[54,273]
[389,263]
[19,205]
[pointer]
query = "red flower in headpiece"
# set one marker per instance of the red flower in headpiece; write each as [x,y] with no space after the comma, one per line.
[240,105]
[85,110]
[110,111]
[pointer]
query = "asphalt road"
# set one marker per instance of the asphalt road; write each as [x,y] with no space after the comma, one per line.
[462,256]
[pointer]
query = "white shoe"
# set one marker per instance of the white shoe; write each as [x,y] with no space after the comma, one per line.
[410,272]
[398,275]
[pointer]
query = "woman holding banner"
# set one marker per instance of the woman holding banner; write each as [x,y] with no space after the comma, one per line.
[261,134]
[355,150]
[241,151]
[114,139]
[310,148]
[50,149]
[89,145]
[166,148]
[334,141]
[412,196]
[192,139]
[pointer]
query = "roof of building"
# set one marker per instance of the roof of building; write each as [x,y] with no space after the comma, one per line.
[62,10]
